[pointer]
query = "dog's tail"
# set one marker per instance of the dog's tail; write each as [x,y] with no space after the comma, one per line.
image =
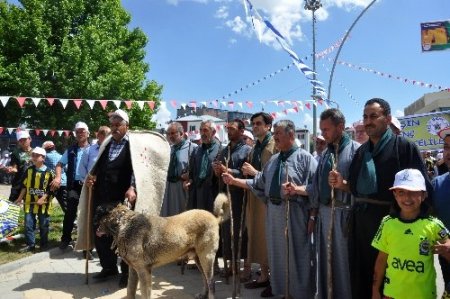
[221,207]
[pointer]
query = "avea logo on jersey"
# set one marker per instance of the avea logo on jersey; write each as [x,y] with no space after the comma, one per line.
[408,265]
[38,192]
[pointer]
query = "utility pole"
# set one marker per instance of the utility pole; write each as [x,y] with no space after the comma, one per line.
[314,5]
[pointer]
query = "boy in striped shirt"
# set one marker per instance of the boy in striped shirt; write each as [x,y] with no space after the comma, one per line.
[36,197]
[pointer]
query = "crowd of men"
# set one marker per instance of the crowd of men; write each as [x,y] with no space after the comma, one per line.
[306,220]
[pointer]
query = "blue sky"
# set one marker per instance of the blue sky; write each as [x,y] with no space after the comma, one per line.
[203,50]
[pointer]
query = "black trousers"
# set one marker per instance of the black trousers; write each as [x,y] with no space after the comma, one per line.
[107,256]
[73,198]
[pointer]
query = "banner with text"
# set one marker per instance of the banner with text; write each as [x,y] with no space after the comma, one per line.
[422,129]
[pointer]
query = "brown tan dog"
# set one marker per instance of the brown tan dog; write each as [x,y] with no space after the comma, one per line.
[145,241]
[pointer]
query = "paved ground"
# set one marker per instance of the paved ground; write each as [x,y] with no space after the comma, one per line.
[61,274]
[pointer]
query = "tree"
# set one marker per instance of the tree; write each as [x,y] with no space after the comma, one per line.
[71,49]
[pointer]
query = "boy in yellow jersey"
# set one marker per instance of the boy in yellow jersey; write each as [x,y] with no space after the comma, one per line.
[406,240]
[37,199]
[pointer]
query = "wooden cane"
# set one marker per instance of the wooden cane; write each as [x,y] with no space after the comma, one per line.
[222,230]
[88,233]
[334,160]
[233,256]
[286,235]
[241,232]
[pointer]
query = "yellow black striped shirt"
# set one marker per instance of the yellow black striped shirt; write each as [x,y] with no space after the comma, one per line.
[37,183]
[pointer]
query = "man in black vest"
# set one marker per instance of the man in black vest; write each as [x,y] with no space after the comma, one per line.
[71,158]
[113,180]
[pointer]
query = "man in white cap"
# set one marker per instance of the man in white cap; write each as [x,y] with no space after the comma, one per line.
[248,138]
[112,178]
[360,132]
[441,203]
[71,158]
[20,161]
[321,145]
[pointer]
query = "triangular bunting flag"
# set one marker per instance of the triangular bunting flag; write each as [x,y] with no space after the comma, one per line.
[1,130]
[91,103]
[77,103]
[52,133]
[193,104]
[4,101]
[36,101]
[21,101]
[10,130]
[249,104]
[37,131]
[215,103]
[240,105]
[117,103]
[45,132]
[203,103]
[103,103]
[140,104]
[66,133]
[128,103]
[60,132]
[63,102]
[173,103]
[183,105]
[308,105]
[151,104]
[231,104]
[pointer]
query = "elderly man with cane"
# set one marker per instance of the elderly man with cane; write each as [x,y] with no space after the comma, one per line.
[298,166]
[128,164]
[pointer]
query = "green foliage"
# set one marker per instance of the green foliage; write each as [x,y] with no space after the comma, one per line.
[9,251]
[71,50]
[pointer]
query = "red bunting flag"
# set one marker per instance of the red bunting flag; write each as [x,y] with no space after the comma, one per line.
[151,104]
[173,103]
[1,130]
[77,103]
[37,131]
[128,103]
[52,133]
[50,101]
[103,103]
[21,101]
[249,104]
[308,105]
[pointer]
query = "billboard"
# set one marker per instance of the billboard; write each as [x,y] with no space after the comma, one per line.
[422,129]
[435,36]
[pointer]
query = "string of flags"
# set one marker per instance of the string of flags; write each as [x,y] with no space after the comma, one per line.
[320,55]
[390,76]
[258,21]
[349,94]
[77,102]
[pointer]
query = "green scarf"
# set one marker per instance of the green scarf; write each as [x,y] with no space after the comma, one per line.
[275,185]
[257,151]
[367,179]
[233,149]
[325,189]
[205,163]
[172,174]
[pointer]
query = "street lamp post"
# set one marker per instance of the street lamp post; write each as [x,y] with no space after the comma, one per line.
[314,5]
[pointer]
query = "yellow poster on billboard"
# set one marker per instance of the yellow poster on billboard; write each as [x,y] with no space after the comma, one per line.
[435,36]
[422,129]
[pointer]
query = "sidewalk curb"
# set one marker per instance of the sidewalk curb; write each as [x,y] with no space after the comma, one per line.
[12,266]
